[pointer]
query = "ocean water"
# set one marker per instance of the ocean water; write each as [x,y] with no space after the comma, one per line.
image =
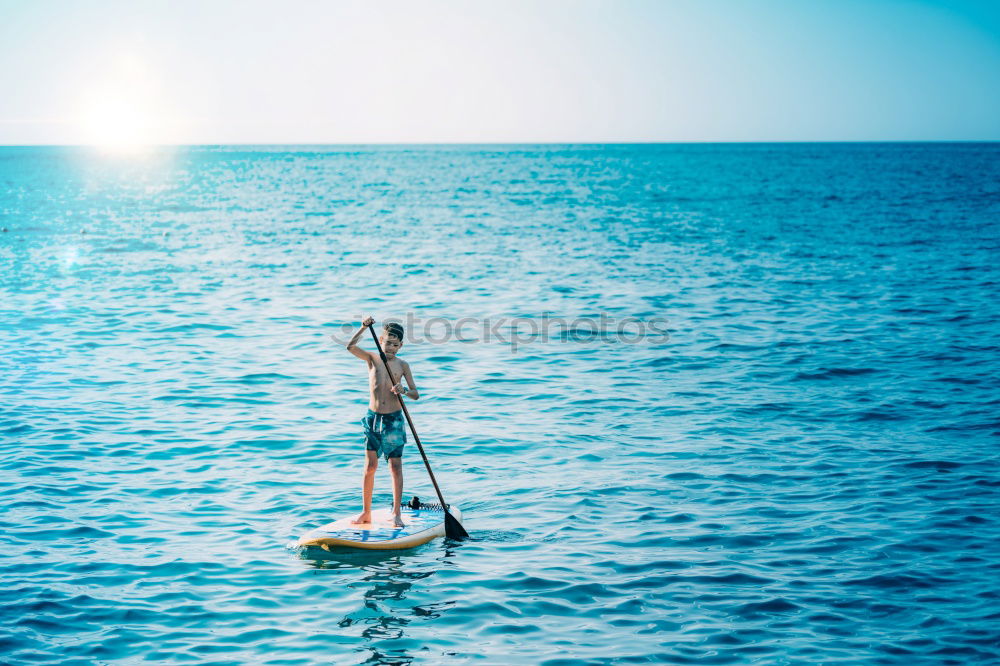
[713,404]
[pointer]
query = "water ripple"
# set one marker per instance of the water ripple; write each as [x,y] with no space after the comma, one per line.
[803,471]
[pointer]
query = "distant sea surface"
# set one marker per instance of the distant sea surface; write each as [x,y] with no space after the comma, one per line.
[788,455]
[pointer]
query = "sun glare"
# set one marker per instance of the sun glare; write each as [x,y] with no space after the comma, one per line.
[117,124]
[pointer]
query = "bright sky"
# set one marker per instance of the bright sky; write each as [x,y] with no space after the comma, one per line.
[248,71]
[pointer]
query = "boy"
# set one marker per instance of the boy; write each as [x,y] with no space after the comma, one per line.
[385,427]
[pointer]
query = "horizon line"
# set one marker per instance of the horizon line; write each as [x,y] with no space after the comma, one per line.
[142,147]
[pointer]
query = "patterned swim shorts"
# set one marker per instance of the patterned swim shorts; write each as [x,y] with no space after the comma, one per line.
[385,433]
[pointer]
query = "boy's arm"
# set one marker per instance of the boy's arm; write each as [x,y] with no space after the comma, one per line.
[413,393]
[352,345]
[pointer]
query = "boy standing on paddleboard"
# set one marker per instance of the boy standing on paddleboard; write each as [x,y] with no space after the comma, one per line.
[385,429]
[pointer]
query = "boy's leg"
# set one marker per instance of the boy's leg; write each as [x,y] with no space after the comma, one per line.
[367,486]
[396,470]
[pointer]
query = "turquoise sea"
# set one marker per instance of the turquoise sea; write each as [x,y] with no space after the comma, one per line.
[708,404]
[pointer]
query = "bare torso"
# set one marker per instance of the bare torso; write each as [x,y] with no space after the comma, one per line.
[383,400]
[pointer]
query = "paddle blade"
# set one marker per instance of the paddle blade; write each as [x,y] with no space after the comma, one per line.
[452,528]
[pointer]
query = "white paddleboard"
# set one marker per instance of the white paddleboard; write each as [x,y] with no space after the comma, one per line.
[420,526]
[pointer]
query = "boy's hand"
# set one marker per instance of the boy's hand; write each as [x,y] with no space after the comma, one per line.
[352,345]
[399,390]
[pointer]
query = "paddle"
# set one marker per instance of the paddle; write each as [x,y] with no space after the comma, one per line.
[452,528]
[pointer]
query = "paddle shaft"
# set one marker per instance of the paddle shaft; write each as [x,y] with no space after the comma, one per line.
[409,421]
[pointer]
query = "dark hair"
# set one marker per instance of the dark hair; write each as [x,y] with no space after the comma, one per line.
[392,328]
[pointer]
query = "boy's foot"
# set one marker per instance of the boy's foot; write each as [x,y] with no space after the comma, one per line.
[363,518]
[397,521]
